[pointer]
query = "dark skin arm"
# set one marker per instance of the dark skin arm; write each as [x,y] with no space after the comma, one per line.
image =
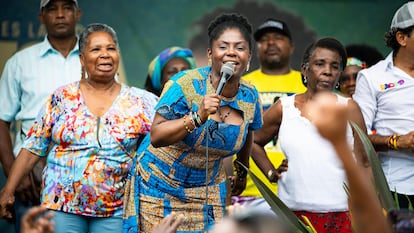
[238,183]
[166,132]
[24,163]
[355,115]
[6,149]
[272,119]
[380,142]
[26,189]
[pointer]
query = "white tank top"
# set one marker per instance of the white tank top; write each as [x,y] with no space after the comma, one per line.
[315,177]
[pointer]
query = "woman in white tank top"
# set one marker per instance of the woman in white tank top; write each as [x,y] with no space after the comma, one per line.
[313,183]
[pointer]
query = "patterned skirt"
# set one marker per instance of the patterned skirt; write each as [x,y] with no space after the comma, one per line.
[146,205]
[332,222]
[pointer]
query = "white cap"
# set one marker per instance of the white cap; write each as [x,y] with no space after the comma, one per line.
[404,17]
[43,3]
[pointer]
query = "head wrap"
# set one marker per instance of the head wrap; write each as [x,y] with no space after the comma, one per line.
[356,62]
[158,63]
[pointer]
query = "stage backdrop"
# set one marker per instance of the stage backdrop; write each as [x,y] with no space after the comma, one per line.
[146,27]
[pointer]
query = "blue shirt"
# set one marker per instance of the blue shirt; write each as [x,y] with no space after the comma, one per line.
[29,77]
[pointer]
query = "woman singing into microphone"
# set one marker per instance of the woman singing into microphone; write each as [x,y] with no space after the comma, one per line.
[179,167]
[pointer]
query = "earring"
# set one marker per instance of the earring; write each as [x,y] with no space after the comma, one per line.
[83,73]
[305,80]
[248,66]
[209,63]
[337,85]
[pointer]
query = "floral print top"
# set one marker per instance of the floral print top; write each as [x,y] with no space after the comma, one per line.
[88,157]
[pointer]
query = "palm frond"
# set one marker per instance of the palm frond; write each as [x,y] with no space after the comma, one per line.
[279,207]
[380,181]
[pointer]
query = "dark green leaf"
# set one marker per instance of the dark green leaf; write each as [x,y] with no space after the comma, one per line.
[380,181]
[278,206]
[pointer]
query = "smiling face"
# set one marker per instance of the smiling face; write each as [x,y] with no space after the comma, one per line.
[230,46]
[60,18]
[100,57]
[322,70]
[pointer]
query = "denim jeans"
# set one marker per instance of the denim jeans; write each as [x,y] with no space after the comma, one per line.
[73,223]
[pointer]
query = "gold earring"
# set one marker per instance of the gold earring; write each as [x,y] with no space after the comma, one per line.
[82,75]
[248,66]
[209,62]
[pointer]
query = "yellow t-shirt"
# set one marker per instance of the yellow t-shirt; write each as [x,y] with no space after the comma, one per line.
[270,88]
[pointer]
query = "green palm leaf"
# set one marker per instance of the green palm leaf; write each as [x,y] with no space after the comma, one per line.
[380,181]
[278,206]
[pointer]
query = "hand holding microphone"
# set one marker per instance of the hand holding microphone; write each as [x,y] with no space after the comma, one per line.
[226,73]
[211,102]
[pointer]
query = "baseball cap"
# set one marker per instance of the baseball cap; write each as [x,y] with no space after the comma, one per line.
[43,3]
[404,17]
[272,25]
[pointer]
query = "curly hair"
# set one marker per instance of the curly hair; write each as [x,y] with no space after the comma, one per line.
[226,21]
[328,43]
[392,42]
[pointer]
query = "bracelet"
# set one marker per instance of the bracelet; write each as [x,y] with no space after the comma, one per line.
[392,141]
[197,120]
[192,120]
[186,126]
[271,175]
[240,171]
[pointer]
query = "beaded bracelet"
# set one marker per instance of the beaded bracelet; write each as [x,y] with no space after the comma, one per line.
[392,141]
[186,126]
[192,120]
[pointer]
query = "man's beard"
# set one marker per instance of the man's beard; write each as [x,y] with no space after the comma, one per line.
[275,64]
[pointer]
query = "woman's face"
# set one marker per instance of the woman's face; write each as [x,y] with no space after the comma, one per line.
[100,57]
[347,81]
[230,46]
[323,70]
[173,66]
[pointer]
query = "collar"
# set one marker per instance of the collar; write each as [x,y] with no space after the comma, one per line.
[46,47]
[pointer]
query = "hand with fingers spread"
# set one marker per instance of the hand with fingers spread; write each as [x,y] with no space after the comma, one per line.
[169,224]
[38,220]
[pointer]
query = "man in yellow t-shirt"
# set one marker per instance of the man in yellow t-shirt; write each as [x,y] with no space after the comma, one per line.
[274,79]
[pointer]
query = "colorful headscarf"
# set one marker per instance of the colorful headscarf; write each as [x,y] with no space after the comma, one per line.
[356,62]
[158,63]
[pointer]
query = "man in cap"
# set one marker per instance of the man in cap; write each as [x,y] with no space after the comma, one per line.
[29,77]
[385,94]
[274,79]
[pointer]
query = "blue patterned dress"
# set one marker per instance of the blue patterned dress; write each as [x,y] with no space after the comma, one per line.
[173,178]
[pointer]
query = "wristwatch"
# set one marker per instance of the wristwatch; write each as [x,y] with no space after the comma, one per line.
[272,175]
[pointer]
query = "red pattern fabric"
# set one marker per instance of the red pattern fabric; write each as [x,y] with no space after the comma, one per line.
[332,222]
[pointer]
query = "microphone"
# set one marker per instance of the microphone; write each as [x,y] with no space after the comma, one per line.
[226,72]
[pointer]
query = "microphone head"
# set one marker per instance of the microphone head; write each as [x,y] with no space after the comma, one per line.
[227,69]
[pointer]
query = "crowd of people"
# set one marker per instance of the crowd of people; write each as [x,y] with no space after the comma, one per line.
[97,155]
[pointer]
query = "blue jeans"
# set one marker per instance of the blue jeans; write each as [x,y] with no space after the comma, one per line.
[73,223]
